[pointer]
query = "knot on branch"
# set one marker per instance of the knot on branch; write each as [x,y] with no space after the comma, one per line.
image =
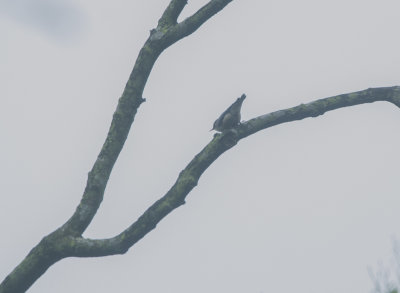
[157,33]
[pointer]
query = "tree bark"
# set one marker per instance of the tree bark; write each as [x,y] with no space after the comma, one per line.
[67,241]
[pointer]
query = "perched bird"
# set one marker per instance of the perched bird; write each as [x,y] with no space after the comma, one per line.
[231,117]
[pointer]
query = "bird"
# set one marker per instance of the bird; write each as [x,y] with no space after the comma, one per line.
[230,117]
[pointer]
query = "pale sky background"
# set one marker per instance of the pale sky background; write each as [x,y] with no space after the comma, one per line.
[303,207]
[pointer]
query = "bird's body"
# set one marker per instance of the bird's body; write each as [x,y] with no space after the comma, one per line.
[230,117]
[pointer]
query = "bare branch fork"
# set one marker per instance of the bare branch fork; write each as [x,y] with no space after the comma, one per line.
[67,241]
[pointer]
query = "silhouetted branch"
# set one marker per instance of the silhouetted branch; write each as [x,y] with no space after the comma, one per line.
[67,240]
[159,39]
[63,242]
[319,107]
[189,177]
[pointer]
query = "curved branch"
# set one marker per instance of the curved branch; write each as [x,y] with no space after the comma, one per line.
[189,177]
[131,99]
[67,241]
[62,242]
[319,107]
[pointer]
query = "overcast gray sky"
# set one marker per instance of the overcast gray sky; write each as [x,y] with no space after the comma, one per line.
[301,207]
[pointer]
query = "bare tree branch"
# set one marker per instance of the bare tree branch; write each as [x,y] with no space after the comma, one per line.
[171,14]
[128,104]
[189,177]
[319,107]
[60,243]
[67,240]
[192,23]
[202,15]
